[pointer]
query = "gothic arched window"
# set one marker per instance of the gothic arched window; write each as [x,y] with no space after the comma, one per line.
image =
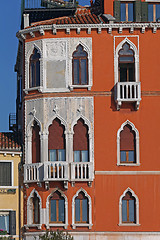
[56,208]
[81,209]
[80,66]
[36,209]
[35,143]
[34,69]
[128,208]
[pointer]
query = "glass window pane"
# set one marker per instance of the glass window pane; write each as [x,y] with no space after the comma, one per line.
[4,222]
[61,210]
[128,59]
[53,212]
[76,156]
[157,11]
[52,155]
[130,12]
[84,156]
[76,71]
[150,12]
[36,211]
[84,210]
[32,75]
[84,71]
[77,210]
[131,74]
[131,156]
[131,211]
[123,156]
[61,155]
[123,12]
[123,74]
[124,210]
[37,73]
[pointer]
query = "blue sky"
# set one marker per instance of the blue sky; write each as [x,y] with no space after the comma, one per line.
[10,18]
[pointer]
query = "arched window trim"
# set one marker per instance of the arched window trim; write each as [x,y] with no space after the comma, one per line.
[30,211]
[88,50]
[89,225]
[48,224]
[137,208]
[119,163]
[116,59]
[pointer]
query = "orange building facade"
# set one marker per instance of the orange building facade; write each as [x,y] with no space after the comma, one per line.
[90,102]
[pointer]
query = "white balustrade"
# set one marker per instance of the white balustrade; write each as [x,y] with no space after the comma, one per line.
[55,171]
[81,171]
[33,172]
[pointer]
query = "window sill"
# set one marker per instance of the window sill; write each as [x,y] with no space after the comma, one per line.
[80,86]
[33,225]
[39,88]
[57,225]
[128,164]
[82,225]
[129,224]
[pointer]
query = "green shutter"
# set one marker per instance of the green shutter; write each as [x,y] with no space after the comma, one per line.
[144,11]
[12,222]
[137,11]
[117,11]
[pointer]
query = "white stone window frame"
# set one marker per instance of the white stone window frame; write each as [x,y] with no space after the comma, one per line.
[136,205]
[119,163]
[30,211]
[28,141]
[12,173]
[116,59]
[89,52]
[74,224]
[27,69]
[47,223]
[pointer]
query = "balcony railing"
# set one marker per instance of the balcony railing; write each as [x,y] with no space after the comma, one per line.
[81,171]
[40,4]
[128,92]
[33,172]
[55,171]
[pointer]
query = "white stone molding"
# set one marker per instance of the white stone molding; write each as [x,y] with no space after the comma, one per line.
[119,163]
[29,47]
[116,56]
[86,43]
[65,224]
[74,224]
[30,211]
[28,139]
[137,208]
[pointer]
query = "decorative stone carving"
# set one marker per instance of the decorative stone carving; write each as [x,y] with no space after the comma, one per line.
[56,49]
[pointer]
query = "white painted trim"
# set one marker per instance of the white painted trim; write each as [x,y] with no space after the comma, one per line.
[127,172]
[9,152]
[9,187]
[137,208]
[129,224]
[74,224]
[137,163]
[47,223]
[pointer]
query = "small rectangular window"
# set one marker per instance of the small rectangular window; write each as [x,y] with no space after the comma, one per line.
[81,156]
[153,12]
[4,221]
[5,174]
[127,12]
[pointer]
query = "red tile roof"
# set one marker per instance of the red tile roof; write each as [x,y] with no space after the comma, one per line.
[10,141]
[82,16]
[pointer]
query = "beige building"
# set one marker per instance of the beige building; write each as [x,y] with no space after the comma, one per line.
[11,198]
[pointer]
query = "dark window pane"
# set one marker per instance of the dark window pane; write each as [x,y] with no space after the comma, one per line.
[77,210]
[123,12]
[61,210]
[157,11]
[123,156]
[5,174]
[131,211]
[4,221]
[131,74]
[76,156]
[37,73]
[83,71]
[84,210]
[123,74]
[131,156]
[126,59]
[53,212]
[124,210]
[76,71]
[130,12]
[79,52]
[150,12]
[36,210]
[84,156]
[32,74]
[61,155]
[52,155]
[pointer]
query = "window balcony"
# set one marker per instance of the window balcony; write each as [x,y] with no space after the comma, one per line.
[128,92]
[33,172]
[56,171]
[82,171]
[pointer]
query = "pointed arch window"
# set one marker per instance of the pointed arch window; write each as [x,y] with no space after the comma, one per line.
[81,142]
[34,65]
[56,208]
[35,143]
[36,209]
[80,66]
[126,64]
[128,208]
[81,209]
[56,141]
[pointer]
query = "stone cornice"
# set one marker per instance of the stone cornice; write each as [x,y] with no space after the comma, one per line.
[67,27]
